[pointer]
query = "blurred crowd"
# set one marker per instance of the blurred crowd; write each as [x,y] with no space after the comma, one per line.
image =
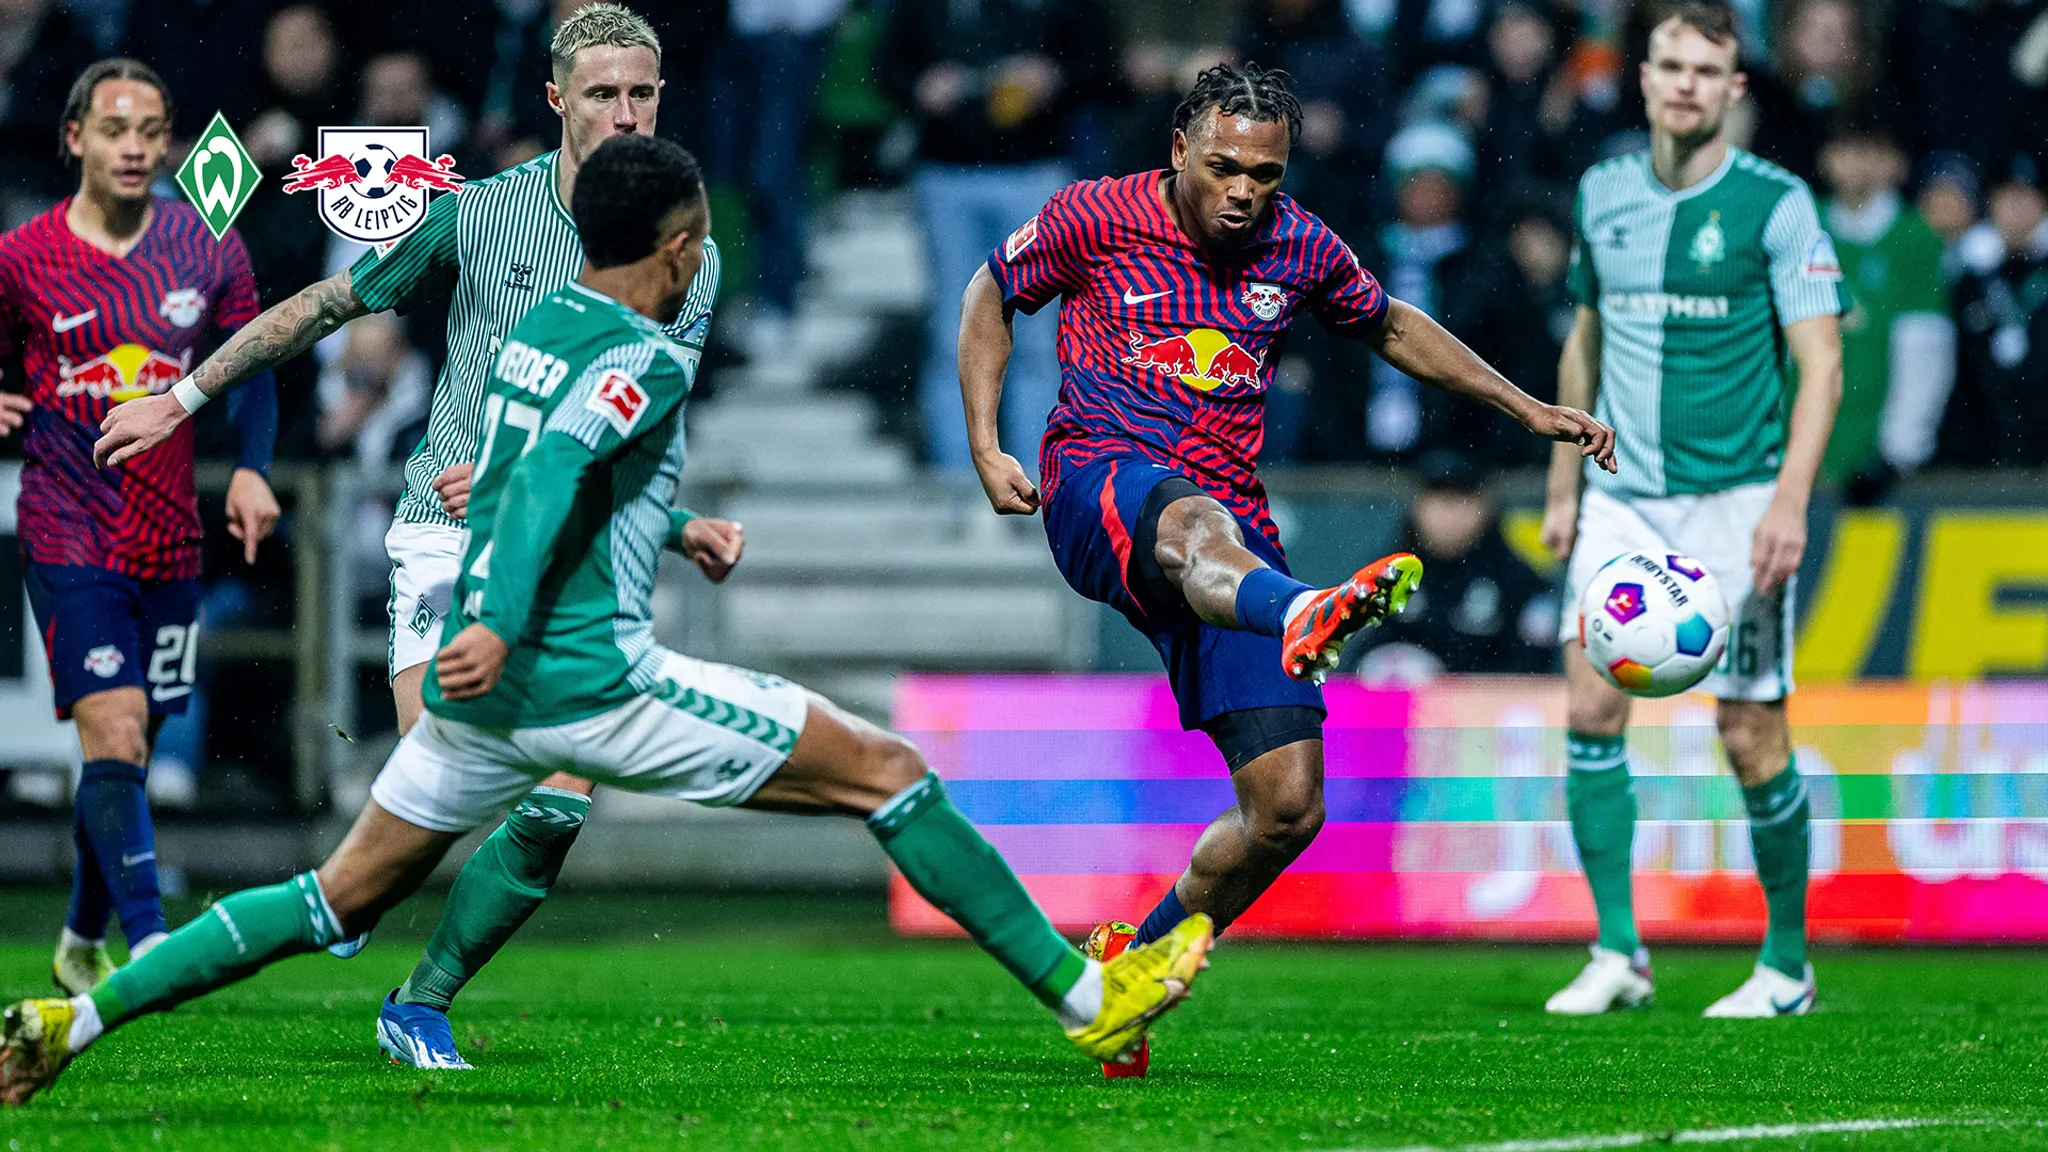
[1443,138]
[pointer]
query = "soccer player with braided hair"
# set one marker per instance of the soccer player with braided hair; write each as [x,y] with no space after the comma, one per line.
[1178,286]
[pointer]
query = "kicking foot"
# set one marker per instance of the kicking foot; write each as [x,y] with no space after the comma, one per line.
[1610,980]
[418,1036]
[79,964]
[1315,634]
[1767,992]
[1107,942]
[1144,984]
[35,1045]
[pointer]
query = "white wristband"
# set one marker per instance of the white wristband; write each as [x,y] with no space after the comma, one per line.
[189,395]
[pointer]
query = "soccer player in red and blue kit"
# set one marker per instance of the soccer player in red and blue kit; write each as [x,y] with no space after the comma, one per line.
[107,297]
[1178,286]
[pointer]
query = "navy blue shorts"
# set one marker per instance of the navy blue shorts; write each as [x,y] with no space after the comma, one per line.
[105,630]
[1102,530]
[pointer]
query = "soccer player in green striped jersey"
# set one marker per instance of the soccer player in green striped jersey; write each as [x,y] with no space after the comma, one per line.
[1695,266]
[492,250]
[549,662]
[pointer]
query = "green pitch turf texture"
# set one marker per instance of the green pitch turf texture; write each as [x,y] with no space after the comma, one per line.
[620,1023]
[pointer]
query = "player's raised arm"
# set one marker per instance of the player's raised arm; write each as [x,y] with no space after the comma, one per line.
[278,334]
[985,340]
[1422,348]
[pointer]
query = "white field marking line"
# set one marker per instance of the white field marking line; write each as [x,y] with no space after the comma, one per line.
[1692,1136]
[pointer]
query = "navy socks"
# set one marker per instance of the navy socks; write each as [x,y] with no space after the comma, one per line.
[1162,919]
[112,820]
[1262,599]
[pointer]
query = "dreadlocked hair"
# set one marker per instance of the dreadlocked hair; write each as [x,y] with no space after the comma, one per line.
[1256,93]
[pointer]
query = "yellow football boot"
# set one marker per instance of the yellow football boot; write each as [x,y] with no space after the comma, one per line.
[35,1045]
[1144,984]
[79,964]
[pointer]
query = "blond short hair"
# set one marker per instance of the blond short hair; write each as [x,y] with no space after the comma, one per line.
[600,25]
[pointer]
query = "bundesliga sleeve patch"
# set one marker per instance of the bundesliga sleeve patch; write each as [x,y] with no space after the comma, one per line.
[1020,239]
[619,399]
[1821,263]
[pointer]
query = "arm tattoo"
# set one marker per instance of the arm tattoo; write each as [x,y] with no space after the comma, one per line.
[280,333]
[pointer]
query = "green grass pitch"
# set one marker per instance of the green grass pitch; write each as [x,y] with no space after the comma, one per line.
[801,1024]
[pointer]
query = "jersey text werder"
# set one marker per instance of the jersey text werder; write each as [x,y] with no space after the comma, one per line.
[586,400]
[1693,289]
[496,247]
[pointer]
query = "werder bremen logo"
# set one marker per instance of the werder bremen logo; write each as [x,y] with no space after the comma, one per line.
[1708,244]
[219,177]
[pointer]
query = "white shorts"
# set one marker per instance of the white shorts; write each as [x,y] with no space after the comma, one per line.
[1714,528]
[425,559]
[708,733]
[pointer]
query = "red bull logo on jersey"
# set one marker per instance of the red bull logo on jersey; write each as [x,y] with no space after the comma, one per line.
[373,183]
[125,372]
[1203,359]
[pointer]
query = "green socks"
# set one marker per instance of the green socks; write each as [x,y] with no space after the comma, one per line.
[963,875]
[227,942]
[1780,834]
[502,884]
[1603,812]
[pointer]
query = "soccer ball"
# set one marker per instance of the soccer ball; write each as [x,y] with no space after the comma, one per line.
[1653,625]
[374,163]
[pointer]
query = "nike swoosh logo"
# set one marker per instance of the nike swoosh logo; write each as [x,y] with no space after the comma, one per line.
[1788,1005]
[132,861]
[67,323]
[162,694]
[1131,299]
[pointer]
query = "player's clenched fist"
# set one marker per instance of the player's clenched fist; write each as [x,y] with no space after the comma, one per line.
[135,427]
[1010,491]
[452,486]
[1572,426]
[471,663]
[714,546]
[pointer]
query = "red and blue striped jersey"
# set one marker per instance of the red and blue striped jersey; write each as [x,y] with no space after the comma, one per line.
[94,330]
[1164,348]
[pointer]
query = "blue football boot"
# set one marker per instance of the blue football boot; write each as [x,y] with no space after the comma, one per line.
[417,1036]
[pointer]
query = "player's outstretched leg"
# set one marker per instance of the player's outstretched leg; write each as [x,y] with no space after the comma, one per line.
[382,860]
[1602,806]
[844,764]
[1201,551]
[499,887]
[1759,744]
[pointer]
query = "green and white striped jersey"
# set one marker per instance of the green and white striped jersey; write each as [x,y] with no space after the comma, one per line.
[494,248]
[582,449]
[1694,289]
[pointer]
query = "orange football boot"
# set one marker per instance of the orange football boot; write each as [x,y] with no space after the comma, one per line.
[1106,942]
[1315,636]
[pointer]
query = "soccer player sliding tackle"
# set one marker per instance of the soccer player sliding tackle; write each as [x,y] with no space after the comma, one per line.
[1695,265]
[549,664]
[107,295]
[491,250]
[1178,286]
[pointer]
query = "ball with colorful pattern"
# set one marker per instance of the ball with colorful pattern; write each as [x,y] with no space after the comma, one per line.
[1653,624]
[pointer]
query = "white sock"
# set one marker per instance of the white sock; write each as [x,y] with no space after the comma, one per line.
[85,1024]
[1300,603]
[140,948]
[1083,1002]
[69,941]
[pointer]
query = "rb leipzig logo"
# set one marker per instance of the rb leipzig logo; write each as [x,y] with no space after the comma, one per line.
[373,183]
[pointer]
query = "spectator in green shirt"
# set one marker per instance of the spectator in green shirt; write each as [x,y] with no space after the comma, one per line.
[1898,341]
